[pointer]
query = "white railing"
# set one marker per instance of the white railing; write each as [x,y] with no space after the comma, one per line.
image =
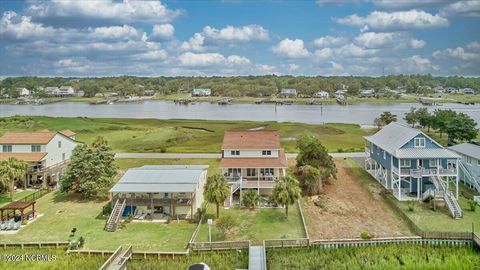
[468,175]
[425,172]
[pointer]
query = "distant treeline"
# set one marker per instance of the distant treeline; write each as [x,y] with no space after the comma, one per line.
[255,86]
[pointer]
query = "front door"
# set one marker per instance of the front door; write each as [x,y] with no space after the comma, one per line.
[420,163]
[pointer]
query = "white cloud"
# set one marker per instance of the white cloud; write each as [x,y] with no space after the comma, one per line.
[231,33]
[417,43]
[329,41]
[324,53]
[462,8]
[195,43]
[335,66]
[265,69]
[100,11]
[393,40]
[407,4]
[472,53]
[338,2]
[293,67]
[153,55]
[291,48]
[16,27]
[211,59]
[115,32]
[163,31]
[394,21]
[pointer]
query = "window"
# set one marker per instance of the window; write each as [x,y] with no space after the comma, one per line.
[433,162]
[267,172]
[478,162]
[234,172]
[378,151]
[235,153]
[36,148]
[266,152]
[468,160]
[405,163]
[7,148]
[59,144]
[251,172]
[419,142]
[384,154]
[63,156]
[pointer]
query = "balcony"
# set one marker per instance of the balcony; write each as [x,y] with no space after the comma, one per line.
[158,202]
[258,184]
[425,172]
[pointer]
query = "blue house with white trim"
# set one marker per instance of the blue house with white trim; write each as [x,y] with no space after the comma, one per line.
[469,169]
[412,165]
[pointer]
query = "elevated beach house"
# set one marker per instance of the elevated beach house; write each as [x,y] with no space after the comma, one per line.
[156,192]
[202,92]
[413,166]
[252,160]
[46,152]
[288,92]
[469,168]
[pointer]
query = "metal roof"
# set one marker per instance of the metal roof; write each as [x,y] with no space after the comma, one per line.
[160,178]
[468,149]
[425,153]
[393,136]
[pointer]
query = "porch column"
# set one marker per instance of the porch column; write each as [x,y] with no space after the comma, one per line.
[191,204]
[418,188]
[399,187]
[456,180]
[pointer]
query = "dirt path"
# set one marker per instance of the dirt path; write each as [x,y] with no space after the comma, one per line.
[350,209]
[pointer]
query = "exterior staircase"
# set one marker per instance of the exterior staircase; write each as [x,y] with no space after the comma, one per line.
[448,197]
[469,177]
[114,219]
[233,188]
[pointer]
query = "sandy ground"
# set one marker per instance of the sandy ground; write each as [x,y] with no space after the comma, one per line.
[350,209]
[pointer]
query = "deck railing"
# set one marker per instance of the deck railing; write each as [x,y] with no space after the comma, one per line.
[425,171]
[223,245]
[46,244]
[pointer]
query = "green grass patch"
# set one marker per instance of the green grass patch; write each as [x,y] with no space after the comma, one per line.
[256,225]
[200,136]
[403,256]
[5,197]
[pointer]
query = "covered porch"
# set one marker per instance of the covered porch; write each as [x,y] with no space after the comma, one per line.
[18,209]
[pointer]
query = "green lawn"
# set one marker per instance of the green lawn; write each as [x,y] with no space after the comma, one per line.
[61,213]
[155,135]
[256,225]
[441,220]
[5,197]
[126,163]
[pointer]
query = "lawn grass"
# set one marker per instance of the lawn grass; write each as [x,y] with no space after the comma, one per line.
[126,163]
[200,136]
[63,212]
[256,225]
[5,197]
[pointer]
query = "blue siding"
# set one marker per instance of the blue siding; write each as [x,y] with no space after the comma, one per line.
[428,143]
[378,157]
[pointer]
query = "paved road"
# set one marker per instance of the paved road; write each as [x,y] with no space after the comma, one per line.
[214,155]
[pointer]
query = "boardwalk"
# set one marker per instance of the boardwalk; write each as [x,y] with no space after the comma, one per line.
[256,258]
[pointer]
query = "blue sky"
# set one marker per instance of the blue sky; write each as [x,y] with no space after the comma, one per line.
[235,37]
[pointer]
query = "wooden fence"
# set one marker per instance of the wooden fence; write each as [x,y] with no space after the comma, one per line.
[135,254]
[36,195]
[304,224]
[56,244]
[280,243]
[223,245]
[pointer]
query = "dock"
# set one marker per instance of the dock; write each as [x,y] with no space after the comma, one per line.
[118,260]
[341,100]
[256,258]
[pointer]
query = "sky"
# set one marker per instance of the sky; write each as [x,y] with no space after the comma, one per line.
[78,38]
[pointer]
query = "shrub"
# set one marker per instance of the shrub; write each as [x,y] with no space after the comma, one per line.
[199,214]
[473,205]
[225,223]
[319,201]
[250,198]
[81,241]
[365,235]
[411,205]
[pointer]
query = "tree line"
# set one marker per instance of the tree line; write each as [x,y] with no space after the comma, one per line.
[254,86]
[456,125]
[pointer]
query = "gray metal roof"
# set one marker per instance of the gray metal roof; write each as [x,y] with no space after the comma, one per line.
[160,178]
[393,136]
[468,149]
[425,153]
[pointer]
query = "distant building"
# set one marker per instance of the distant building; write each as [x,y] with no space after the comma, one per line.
[202,92]
[321,94]
[439,89]
[467,91]
[340,93]
[23,92]
[451,90]
[149,92]
[80,93]
[51,90]
[367,92]
[288,92]
[65,91]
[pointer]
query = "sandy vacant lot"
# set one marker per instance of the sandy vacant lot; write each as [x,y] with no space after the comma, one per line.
[350,209]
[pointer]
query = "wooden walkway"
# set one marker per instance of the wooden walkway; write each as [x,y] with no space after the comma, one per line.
[118,260]
[256,258]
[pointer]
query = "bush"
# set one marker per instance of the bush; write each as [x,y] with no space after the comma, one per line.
[199,214]
[365,235]
[250,198]
[473,205]
[411,205]
[319,201]
[225,223]
[81,241]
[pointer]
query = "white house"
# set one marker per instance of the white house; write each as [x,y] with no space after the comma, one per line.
[469,165]
[451,90]
[23,92]
[157,191]
[202,92]
[46,152]
[340,93]
[321,94]
[367,92]
[51,90]
[65,91]
[252,160]
[288,92]
[467,91]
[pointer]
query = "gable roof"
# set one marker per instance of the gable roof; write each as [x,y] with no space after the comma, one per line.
[160,178]
[39,137]
[395,135]
[68,132]
[251,139]
[469,149]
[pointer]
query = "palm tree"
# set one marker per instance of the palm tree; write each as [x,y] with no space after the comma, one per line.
[250,198]
[216,190]
[286,191]
[10,169]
